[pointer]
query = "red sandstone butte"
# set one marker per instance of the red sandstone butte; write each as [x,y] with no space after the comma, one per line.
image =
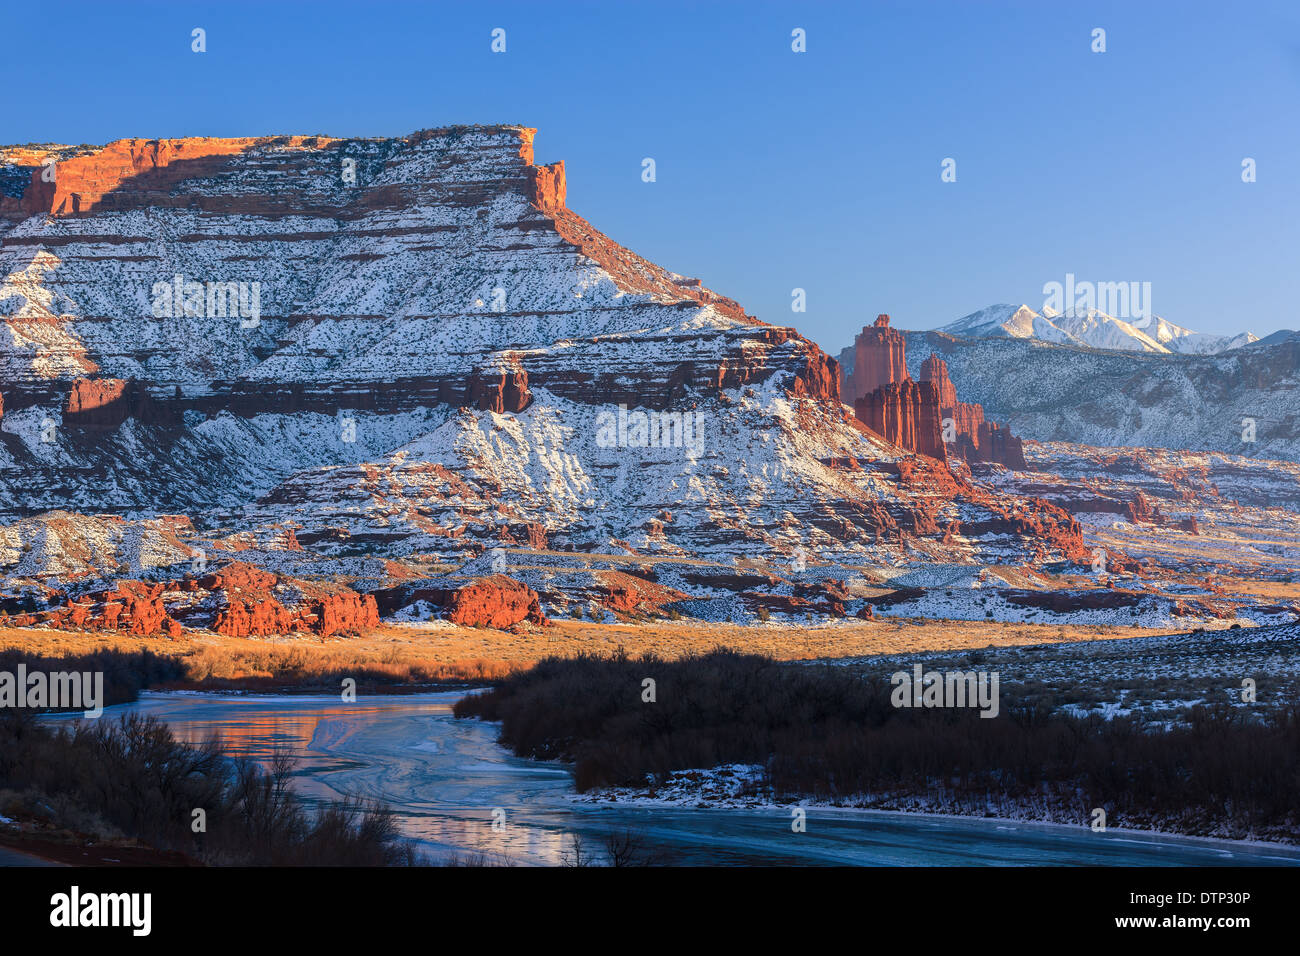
[966,416]
[911,414]
[975,439]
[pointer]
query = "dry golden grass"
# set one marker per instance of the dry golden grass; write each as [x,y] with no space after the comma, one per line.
[439,652]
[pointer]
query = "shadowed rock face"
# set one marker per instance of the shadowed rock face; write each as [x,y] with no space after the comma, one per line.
[129,173]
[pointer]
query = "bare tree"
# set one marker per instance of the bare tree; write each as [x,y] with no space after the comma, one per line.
[576,855]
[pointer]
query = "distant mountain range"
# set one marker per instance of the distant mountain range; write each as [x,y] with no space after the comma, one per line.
[1097,380]
[1093,329]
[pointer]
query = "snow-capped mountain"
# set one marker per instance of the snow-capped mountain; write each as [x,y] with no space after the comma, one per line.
[1186,342]
[1092,329]
[1012,321]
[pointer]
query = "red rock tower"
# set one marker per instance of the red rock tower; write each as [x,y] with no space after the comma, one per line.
[966,416]
[906,414]
[910,413]
[878,359]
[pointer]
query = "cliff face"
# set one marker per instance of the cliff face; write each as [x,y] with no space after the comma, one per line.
[997,444]
[886,399]
[906,414]
[975,439]
[966,416]
[226,281]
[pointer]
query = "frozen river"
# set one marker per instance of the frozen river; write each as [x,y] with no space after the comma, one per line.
[446,778]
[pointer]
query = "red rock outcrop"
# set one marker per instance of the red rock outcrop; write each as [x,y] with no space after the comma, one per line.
[102,404]
[630,594]
[133,606]
[548,193]
[495,601]
[343,612]
[506,391]
[998,445]
[530,533]
[816,374]
[966,416]
[254,606]
[253,618]
[906,414]
[549,187]
[133,172]
[1137,509]
[97,403]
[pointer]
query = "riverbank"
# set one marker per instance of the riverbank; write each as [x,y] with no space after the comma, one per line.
[128,790]
[745,787]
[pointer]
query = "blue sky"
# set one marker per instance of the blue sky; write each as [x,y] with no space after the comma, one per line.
[777,170]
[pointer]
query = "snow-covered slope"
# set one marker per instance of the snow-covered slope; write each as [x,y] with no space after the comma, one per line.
[1185,341]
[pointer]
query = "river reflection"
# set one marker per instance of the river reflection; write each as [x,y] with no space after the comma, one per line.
[447,779]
